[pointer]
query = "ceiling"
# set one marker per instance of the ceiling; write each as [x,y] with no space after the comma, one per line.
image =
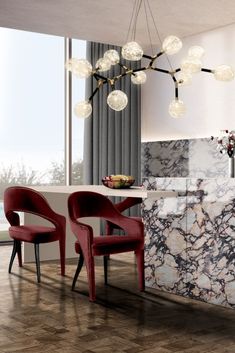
[107,21]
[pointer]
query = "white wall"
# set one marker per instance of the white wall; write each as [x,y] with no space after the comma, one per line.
[210,104]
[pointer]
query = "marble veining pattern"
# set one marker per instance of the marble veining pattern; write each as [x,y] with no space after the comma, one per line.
[165,242]
[190,240]
[183,158]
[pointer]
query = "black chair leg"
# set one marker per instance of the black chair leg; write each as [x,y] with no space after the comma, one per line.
[78,270]
[37,258]
[106,261]
[14,252]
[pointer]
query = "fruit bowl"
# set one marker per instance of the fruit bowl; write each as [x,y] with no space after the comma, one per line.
[118,181]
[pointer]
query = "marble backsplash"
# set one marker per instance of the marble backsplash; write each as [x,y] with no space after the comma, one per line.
[183,158]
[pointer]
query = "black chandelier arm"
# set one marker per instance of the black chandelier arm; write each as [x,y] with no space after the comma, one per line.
[176,90]
[140,69]
[147,56]
[98,76]
[207,70]
[153,57]
[161,70]
[129,72]
[123,66]
[159,54]
[94,92]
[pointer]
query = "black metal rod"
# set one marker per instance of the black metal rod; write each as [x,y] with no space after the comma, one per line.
[159,54]
[176,92]
[147,57]
[161,70]
[141,69]
[100,76]
[153,57]
[123,66]
[206,70]
[95,91]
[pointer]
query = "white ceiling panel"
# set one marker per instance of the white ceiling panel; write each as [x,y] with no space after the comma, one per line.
[107,21]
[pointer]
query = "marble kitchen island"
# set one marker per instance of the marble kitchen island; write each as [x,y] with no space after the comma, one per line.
[190,239]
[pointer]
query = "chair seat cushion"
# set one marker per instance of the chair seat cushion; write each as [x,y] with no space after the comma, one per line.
[112,244]
[33,233]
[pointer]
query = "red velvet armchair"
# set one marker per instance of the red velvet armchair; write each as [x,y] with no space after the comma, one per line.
[91,204]
[27,200]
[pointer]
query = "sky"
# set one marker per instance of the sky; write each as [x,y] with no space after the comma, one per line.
[32,99]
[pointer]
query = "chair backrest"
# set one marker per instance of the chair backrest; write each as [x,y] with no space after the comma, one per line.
[24,199]
[91,204]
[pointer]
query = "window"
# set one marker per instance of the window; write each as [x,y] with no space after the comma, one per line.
[32,112]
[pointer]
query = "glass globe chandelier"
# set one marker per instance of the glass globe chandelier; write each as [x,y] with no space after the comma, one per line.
[132,51]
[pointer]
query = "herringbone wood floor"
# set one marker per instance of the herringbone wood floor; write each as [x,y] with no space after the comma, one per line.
[49,318]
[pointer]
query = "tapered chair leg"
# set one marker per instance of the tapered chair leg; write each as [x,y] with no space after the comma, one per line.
[62,255]
[19,253]
[78,270]
[90,267]
[37,258]
[106,262]
[140,267]
[13,254]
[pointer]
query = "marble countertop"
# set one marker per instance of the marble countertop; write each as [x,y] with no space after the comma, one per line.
[134,191]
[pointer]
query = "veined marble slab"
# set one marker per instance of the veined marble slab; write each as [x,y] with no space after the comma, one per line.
[183,158]
[190,240]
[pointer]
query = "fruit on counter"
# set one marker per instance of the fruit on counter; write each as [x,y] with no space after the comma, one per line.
[120,176]
[118,181]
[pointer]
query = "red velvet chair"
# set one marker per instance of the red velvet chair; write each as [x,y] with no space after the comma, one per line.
[91,204]
[24,199]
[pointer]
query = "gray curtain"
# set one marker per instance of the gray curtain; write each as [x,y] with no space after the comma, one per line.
[112,139]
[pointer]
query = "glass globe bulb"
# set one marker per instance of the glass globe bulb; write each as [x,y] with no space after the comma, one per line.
[117,100]
[177,108]
[224,73]
[184,78]
[196,51]
[79,67]
[171,45]
[132,51]
[103,64]
[191,65]
[139,78]
[83,109]
[113,56]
